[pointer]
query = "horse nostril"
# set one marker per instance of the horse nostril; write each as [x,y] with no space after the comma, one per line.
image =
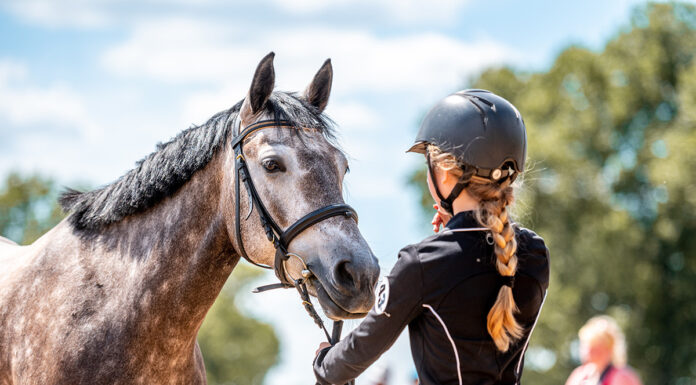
[344,274]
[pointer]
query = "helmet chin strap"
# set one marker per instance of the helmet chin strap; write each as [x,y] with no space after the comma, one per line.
[462,183]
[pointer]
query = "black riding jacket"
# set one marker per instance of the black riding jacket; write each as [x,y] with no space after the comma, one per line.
[443,289]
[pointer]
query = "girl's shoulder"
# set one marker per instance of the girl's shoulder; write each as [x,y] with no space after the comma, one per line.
[527,239]
[532,255]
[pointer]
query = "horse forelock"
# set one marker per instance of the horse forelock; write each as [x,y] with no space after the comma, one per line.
[167,169]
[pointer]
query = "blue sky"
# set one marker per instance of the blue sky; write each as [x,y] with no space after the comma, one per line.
[87,87]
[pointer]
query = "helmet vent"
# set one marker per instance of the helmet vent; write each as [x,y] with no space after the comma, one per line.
[482,113]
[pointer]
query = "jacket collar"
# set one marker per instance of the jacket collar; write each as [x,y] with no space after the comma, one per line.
[463,220]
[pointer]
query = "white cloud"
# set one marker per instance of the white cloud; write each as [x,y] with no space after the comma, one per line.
[98,13]
[181,50]
[23,104]
[11,70]
[220,60]
[176,51]
[410,11]
[353,115]
[365,62]
[83,13]
[199,107]
[103,13]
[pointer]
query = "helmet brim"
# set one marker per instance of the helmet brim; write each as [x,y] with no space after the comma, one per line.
[418,147]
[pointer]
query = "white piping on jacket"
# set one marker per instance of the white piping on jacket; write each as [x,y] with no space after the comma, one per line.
[467,229]
[526,344]
[454,347]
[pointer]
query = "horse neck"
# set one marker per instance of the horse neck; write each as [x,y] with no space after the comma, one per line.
[177,256]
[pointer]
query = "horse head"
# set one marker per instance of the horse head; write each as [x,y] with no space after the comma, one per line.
[296,169]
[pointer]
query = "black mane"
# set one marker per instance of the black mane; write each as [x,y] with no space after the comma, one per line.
[164,171]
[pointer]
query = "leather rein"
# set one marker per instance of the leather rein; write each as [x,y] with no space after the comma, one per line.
[280,238]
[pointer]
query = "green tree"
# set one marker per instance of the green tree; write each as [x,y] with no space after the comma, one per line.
[237,349]
[28,207]
[612,189]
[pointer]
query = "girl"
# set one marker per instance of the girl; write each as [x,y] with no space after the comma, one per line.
[471,294]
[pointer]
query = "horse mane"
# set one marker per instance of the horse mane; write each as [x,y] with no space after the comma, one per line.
[164,171]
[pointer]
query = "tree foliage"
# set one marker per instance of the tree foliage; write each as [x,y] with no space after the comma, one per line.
[612,189]
[28,207]
[236,349]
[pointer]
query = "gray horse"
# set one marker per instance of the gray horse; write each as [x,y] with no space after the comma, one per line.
[116,293]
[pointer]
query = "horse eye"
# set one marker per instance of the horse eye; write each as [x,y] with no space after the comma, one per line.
[272,165]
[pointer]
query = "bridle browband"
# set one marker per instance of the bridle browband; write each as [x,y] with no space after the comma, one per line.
[280,238]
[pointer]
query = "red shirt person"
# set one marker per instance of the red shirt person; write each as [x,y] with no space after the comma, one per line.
[603,353]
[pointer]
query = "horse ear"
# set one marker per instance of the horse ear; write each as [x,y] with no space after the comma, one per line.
[318,91]
[260,90]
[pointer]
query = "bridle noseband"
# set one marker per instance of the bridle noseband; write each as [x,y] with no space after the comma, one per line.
[280,238]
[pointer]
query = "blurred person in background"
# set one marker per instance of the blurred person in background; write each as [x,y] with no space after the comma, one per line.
[603,354]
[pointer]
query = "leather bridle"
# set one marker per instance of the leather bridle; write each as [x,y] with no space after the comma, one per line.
[280,238]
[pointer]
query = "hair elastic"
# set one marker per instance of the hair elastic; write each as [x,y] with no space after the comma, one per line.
[506,280]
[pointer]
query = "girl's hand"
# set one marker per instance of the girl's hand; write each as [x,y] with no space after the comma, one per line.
[322,345]
[439,219]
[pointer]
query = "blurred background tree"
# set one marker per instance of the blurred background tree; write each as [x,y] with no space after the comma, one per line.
[236,349]
[612,189]
[28,207]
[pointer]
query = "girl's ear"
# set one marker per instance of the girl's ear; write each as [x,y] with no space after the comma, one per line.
[446,177]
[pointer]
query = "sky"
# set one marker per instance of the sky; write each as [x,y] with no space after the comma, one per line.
[88,87]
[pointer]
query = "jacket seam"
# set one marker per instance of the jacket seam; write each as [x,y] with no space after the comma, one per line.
[454,346]
[518,367]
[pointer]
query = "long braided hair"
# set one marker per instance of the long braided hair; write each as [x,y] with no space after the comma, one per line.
[492,213]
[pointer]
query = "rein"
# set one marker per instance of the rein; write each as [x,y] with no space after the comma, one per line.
[280,238]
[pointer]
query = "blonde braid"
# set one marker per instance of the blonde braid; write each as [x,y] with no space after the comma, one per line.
[492,213]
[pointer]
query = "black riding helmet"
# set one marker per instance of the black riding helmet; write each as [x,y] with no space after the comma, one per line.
[483,131]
